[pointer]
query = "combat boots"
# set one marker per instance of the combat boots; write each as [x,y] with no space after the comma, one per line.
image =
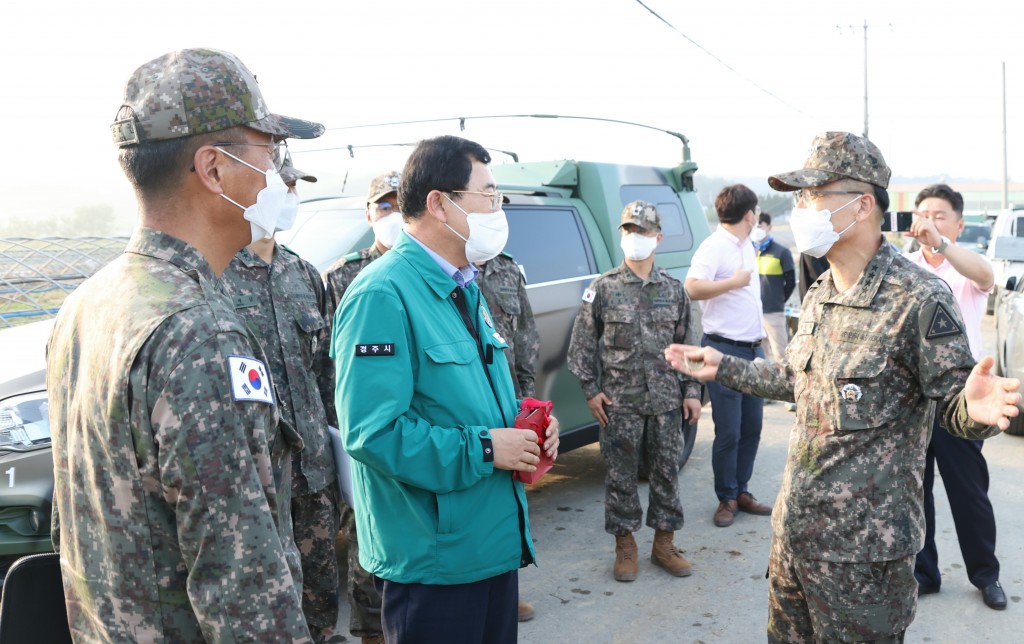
[625,558]
[664,554]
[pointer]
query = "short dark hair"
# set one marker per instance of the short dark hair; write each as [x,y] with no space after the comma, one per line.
[881,197]
[443,163]
[764,218]
[733,202]
[156,167]
[942,191]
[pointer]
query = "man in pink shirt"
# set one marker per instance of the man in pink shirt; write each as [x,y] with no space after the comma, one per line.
[963,468]
[720,278]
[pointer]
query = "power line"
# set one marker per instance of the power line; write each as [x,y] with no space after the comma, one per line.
[719,60]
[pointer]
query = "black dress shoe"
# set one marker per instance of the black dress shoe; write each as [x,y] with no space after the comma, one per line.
[926,589]
[994,596]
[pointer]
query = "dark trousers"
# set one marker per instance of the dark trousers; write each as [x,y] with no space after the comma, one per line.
[737,418]
[965,477]
[483,612]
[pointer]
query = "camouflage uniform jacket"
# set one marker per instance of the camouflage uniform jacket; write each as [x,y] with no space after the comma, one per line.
[171,526]
[504,288]
[619,338]
[866,369]
[339,276]
[284,306]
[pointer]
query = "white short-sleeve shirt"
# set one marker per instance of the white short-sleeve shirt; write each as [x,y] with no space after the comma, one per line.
[735,314]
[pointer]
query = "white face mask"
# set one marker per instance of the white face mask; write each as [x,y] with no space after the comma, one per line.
[813,231]
[386,228]
[289,211]
[758,235]
[488,232]
[638,247]
[270,202]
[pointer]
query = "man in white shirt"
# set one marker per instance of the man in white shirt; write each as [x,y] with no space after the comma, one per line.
[963,468]
[720,278]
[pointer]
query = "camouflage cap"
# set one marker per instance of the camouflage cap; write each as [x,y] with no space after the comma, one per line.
[642,214]
[834,156]
[197,91]
[382,185]
[290,174]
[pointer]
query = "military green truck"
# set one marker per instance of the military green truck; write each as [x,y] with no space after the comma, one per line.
[563,232]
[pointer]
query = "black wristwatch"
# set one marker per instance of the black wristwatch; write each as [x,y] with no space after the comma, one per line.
[941,247]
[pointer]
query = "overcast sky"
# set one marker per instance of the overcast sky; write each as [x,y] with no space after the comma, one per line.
[749,83]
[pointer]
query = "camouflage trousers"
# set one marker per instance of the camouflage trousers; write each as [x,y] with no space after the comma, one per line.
[832,601]
[315,522]
[363,596]
[621,441]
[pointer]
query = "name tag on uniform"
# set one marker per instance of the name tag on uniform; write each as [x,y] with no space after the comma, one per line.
[245,301]
[375,350]
[250,380]
[806,328]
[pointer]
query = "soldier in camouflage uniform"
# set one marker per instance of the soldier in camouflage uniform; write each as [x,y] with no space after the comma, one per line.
[281,299]
[171,470]
[628,316]
[879,351]
[504,288]
[382,212]
[384,216]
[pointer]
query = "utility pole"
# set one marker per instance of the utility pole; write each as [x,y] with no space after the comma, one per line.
[865,78]
[865,28]
[1006,175]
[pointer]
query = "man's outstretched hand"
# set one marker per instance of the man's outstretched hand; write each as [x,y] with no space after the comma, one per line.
[991,400]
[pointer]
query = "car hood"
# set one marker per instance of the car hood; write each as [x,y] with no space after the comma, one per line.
[24,354]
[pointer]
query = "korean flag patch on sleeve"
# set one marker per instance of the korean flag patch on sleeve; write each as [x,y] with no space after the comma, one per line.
[589,295]
[250,380]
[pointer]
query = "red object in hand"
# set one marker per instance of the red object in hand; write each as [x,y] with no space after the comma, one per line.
[535,414]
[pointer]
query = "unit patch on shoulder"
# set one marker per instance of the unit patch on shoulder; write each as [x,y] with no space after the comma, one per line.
[589,295]
[375,350]
[250,380]
[942,324]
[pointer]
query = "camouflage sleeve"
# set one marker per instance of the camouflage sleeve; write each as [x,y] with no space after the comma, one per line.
[332,296]
[584,345]
[527,344]
[761,378]
[215,471]
[687,333]
[323,365]
[944,363]
[325,375]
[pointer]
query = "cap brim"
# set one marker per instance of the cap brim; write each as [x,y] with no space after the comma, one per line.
[288,127]
[639,223]
[803,178]
[293,174]
[377,196]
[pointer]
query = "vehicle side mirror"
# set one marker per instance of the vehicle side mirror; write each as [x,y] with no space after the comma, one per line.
[1011,282]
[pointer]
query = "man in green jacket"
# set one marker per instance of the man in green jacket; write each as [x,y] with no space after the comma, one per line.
[426,405]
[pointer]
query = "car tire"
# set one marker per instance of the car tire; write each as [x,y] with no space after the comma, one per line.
[1016,427]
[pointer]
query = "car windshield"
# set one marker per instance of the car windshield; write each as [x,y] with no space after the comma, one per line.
[975,236]
[323,233]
